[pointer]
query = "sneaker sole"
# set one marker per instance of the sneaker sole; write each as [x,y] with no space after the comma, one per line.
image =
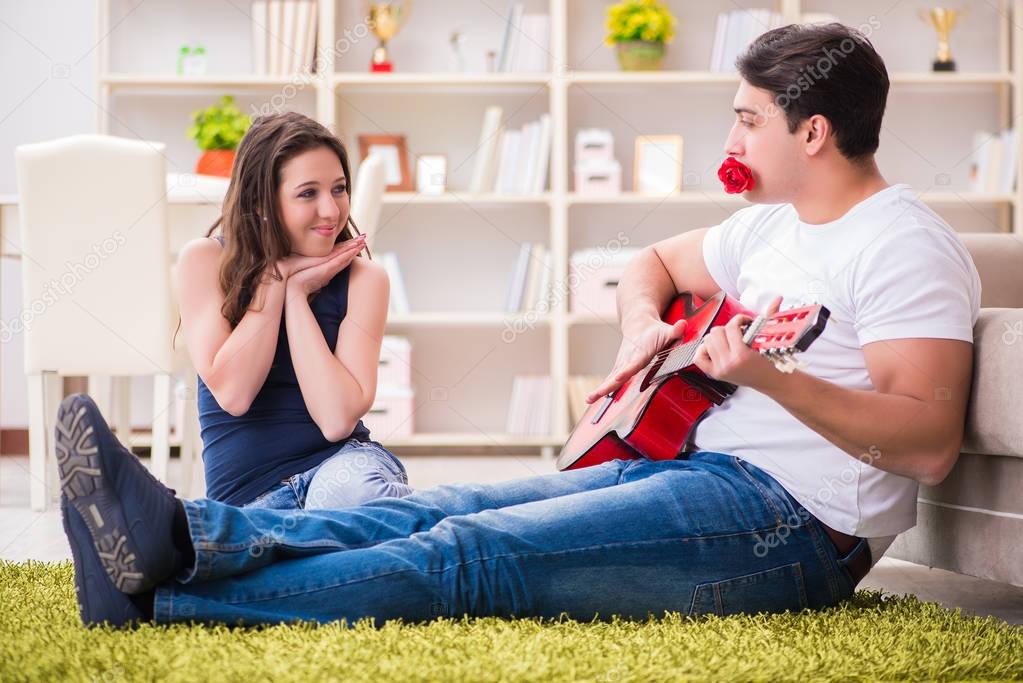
[86,601]
[81,479]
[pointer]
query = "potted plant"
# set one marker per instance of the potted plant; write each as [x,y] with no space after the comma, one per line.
[640,29]
[218,130]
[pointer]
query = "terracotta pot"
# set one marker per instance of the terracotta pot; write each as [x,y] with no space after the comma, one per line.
[640,55]
[216,162]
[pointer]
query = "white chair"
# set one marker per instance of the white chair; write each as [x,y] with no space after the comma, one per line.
[368,195]
[95,281]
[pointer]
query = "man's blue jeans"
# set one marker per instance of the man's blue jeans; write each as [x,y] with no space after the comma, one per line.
[708,534]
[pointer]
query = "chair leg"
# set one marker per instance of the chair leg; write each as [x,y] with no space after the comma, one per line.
[121,409]
[101,392]
[160,451]
[183,431]
[37,454]
[45,392]
[53,385]
[198,477]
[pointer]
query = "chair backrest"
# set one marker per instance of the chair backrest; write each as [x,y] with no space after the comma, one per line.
[95,256]
[368,195]
[999,261]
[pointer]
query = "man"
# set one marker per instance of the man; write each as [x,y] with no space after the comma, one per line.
[800,482]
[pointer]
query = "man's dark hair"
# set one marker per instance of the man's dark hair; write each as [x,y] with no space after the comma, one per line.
[827,69]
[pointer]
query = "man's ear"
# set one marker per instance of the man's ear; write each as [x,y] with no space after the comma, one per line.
[815,130]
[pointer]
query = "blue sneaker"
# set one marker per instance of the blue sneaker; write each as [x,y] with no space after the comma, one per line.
[98,600]
[128,512]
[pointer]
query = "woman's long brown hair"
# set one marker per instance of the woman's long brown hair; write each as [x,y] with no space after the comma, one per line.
[254,235]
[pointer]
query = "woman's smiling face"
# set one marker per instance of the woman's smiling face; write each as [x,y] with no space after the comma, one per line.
[313,201]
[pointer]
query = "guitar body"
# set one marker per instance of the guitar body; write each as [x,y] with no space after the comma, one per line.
[654,418]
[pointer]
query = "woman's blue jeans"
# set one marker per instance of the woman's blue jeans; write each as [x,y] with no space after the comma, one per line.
[360,471]
[708,534]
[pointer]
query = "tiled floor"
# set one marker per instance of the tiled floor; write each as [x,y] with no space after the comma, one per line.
[29,535]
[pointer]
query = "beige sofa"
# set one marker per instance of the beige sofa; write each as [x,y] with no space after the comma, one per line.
[972,522]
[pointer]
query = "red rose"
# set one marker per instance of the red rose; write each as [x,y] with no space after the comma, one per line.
[736,176]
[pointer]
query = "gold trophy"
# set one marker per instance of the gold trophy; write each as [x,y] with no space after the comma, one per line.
[943,20]
[386,19]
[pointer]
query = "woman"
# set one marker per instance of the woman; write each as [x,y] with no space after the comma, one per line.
[284,320]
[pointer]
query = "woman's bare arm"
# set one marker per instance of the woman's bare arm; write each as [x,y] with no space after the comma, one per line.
[339,388]
[233,364]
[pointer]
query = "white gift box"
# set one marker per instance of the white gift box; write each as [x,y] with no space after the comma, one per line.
[392,413]
[594,144]
[598,177]
[395,365]
[593,278]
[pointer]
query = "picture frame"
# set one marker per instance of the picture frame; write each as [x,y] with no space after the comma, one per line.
[431,173]
[394,151]
[657,167]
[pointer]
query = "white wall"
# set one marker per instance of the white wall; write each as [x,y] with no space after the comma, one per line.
[47,88]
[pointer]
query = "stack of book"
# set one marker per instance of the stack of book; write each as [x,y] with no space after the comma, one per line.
[511,161]
[399,297]
[283,36]
[530,286]
[994,164]
[526,45]
[735,30]
[529,412]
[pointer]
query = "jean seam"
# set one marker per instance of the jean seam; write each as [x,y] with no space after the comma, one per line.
[763,492]
[831,569]
[480,560]
[203,564]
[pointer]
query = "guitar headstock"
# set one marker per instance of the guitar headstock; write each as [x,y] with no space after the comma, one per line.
[781,336]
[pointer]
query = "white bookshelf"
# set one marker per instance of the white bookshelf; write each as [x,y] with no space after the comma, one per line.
[457,249]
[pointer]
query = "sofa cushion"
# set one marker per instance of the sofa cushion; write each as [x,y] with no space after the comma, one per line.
[998,258]
[993,423]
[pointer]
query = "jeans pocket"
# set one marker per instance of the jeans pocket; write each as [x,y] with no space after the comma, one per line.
[771,590]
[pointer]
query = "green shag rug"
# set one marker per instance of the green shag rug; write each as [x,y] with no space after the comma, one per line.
[871,637]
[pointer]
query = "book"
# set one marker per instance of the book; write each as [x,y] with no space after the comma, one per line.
[260,17]
[513,301]
[994,162]
[274,26]
[399,297]
[735,30]
[1010,162]
[305,37]
[288,34]
[531,51]
[533,275]
[529,161]
[522,158]
[511,143]
[483,171]
[543,155]
[514,31]
[509,27]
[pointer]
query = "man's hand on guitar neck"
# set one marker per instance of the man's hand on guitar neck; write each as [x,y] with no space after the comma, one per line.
[634,354]
[724,356]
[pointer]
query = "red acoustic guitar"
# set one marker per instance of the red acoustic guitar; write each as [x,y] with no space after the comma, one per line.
[654,413]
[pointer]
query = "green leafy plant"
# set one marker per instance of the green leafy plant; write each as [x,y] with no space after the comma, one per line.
[647,20]
[220,126]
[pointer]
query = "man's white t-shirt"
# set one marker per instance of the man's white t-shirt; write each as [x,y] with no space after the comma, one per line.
[890,268]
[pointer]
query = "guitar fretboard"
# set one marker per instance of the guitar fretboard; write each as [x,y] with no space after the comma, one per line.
[678,358]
